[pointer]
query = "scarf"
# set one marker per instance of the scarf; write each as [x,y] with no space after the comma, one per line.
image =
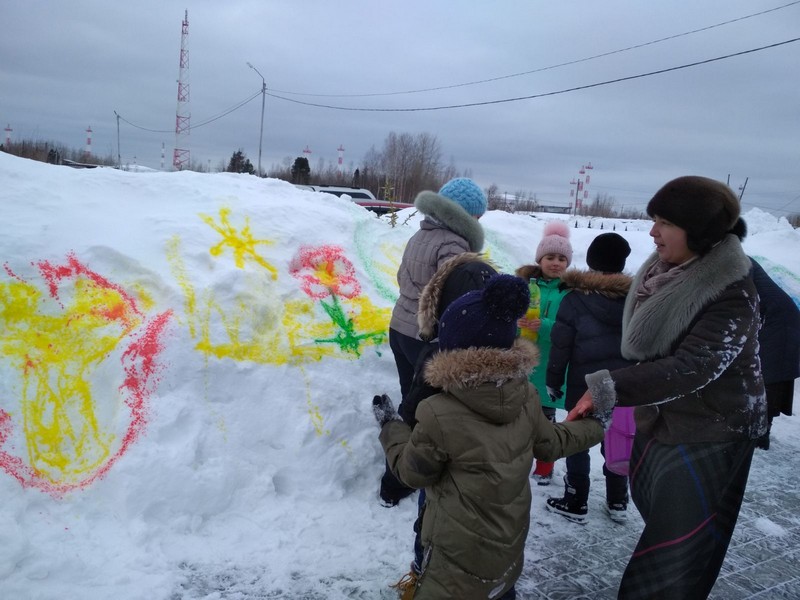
[657,276]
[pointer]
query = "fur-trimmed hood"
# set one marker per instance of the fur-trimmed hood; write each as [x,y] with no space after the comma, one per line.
[451,215]
[485,379]
[528,272]
[653,328]
[430,300]
[611,285]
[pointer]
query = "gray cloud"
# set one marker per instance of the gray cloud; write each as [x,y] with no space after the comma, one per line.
[70,65]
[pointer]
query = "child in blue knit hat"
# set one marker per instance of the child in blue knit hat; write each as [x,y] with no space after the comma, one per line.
[449,228]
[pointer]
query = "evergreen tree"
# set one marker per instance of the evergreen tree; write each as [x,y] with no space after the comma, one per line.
[239,163]
[301,171]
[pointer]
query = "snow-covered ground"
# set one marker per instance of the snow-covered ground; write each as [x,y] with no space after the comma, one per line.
[186,367]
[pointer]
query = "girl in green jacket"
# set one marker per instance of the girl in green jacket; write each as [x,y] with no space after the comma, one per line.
[553,256]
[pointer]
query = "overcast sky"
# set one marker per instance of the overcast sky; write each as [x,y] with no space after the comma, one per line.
[65,66]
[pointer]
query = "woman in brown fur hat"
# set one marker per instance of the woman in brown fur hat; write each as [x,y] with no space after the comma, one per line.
[691,322]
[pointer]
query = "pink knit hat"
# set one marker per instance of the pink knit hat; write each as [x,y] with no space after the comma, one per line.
[555,241]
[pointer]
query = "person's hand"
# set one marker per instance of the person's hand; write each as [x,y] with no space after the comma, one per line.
[383,409]
[584,407]
[555,394]
[530,324]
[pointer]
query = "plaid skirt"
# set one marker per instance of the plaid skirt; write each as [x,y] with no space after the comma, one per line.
[689,496]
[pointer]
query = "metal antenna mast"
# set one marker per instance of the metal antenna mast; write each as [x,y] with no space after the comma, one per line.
[180,158]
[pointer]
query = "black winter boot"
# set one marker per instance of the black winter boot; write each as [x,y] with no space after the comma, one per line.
[570,506]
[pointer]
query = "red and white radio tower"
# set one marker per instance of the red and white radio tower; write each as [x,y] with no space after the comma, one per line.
[580,193]
[340,149]
[181,156]
[8,134]
[89,141]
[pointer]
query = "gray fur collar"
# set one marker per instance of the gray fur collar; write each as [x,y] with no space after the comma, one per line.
[471,367]
[452,216]
[653,329]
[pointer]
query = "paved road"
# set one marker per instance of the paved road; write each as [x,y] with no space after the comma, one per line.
[585,562]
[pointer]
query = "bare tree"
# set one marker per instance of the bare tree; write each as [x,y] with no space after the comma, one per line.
[494,197]
[406,164]
[601,206]
[409,163]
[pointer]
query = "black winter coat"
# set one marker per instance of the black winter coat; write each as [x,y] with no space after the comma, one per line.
[780,330]
[587,333]
[698,378]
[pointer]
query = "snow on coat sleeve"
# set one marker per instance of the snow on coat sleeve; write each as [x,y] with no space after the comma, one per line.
[711,346]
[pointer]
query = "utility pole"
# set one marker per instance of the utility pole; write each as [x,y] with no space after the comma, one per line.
[741,189]
[119,156]
[263,98]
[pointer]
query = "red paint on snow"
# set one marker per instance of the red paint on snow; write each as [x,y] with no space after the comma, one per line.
[339,274]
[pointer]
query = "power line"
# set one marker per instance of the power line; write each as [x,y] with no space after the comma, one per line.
[274,95]
[544,94]
[792,201]
[229,111]
[121,118]
[202,123]
[541,69]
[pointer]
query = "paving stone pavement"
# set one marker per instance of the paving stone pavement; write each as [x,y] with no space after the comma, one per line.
[585,562]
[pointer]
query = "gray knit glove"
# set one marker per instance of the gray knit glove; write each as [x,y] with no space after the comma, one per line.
[604,396]
[383,409]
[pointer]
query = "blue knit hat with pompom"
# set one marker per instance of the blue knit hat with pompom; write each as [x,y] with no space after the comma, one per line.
[487,317]
[467,194]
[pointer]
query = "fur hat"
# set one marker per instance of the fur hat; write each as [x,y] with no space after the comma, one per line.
[607,253]
[467,194]
[485,318]
[555,241]
[705,208]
